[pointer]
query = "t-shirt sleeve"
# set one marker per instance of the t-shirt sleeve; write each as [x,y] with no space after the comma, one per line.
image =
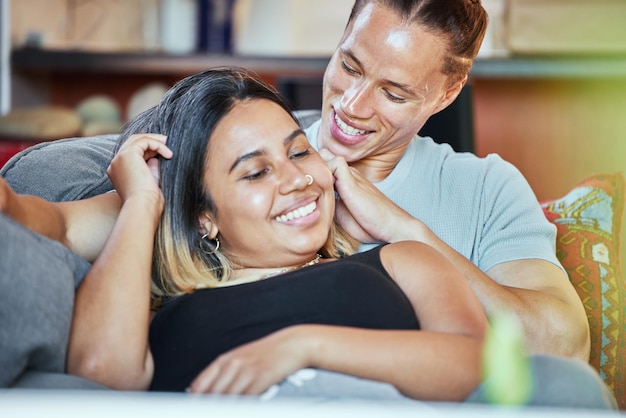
[513,225]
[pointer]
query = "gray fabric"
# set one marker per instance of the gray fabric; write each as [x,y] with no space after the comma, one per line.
[328,387]
[556,382]
[63,170]
[561,382]
[45,380]
[36,301]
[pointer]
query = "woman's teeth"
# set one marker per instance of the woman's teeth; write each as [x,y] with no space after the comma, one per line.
[347,129]
[298,213]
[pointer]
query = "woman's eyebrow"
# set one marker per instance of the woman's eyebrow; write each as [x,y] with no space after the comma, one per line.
[296,133]
[245,157]
[257,153]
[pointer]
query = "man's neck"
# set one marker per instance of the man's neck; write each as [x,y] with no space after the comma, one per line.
[377,168]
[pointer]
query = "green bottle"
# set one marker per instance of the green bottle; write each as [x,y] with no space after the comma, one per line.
[506,368]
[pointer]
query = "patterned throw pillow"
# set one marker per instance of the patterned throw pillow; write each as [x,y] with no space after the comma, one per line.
[588,221]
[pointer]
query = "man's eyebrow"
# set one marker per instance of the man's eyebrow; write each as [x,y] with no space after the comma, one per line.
[404,87]
[351,55]
[257,153]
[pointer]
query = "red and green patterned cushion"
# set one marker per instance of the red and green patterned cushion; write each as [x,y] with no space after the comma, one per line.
[588,220]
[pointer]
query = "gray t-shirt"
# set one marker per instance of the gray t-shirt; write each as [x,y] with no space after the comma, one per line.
[482,207]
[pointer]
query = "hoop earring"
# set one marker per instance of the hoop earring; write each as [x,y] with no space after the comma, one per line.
[209,246]
[310,178]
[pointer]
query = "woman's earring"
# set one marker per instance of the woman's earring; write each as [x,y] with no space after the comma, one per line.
[309,178]
[209,246]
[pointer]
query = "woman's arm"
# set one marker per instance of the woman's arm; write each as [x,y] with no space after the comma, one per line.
[81,225]
[109,338]
[439,362]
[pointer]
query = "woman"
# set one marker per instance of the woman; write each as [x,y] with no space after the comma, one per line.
[248,287]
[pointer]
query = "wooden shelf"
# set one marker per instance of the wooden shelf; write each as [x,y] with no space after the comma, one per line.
[47,61]
[60,61]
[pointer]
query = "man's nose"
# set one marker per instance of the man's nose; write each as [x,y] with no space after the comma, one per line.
[357,100]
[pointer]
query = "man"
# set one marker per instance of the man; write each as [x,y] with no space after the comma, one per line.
[396,65]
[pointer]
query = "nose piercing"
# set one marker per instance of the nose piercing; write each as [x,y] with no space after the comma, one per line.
[310,178]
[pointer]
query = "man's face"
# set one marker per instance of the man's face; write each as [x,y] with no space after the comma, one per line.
[382,83]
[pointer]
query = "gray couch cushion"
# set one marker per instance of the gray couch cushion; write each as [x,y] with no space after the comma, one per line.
[63,170]
[56,381]
[36,301]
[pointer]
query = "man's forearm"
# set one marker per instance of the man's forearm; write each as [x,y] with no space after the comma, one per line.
[537,292]
[552,318]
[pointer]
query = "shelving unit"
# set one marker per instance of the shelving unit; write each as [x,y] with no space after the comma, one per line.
[51,61]
[43,77]
[47,61]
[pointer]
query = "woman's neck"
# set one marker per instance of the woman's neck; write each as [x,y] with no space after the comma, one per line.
[251,274]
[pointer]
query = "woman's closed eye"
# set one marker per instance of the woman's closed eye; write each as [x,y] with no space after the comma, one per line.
[298,154]
[255,175]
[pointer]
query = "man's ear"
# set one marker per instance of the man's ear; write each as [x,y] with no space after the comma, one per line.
[207,225]
[451,94]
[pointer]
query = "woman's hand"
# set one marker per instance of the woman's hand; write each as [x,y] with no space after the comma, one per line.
[365,212]
[253,368]
[135,168]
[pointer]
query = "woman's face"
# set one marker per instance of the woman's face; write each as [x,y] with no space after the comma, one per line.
[267,213]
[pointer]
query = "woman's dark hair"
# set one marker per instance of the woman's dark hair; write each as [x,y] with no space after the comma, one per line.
[461,22]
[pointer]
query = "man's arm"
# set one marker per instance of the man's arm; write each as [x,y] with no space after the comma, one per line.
[569,337]
[536,291]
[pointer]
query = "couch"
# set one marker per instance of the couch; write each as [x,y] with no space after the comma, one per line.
[588,221]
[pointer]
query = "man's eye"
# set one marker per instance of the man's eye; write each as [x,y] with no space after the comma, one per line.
[348,68]
[394,98]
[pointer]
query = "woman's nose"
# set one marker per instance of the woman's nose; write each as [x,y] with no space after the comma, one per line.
[295,180]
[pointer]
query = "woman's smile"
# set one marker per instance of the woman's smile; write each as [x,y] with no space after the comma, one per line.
[301,212]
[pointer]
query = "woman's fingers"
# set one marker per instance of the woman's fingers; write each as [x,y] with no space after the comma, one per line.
[149,144]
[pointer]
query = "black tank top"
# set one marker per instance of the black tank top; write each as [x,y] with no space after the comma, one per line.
[190,331]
